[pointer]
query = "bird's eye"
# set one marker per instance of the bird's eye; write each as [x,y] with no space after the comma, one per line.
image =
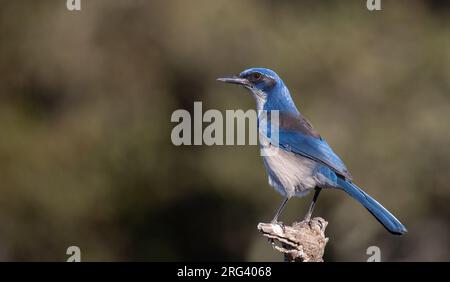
[255,76]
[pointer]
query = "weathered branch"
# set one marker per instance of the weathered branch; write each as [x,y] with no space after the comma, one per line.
[302,242]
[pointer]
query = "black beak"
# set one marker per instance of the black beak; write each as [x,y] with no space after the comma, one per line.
[235,80]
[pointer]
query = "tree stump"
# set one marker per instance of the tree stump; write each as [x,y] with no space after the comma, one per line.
[304,241]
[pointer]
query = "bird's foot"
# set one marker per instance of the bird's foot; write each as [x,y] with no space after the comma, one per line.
[275,222]
[307,217]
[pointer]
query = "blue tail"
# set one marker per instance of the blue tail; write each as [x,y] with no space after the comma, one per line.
[376,209]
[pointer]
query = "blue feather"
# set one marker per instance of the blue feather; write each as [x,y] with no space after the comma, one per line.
[389,221]
[298,136]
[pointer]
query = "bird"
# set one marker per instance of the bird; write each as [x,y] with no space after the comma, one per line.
[300,161]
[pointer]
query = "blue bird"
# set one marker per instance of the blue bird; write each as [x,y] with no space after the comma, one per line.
[300,160]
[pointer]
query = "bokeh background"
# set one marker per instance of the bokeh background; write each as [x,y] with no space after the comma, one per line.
[86,99]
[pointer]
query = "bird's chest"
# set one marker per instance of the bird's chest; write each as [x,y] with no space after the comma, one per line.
[289,173]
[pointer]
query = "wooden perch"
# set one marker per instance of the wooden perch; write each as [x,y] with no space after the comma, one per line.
[302,242]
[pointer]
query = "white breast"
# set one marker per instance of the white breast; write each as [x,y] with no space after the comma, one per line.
[290,174]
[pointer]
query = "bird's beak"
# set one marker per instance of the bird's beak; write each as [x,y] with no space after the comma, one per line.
[235,80]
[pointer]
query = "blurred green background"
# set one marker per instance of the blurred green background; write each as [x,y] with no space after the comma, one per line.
[86,99]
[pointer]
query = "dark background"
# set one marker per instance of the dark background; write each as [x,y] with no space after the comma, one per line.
[86,99]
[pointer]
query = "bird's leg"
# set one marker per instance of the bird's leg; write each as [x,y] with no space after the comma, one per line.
[313,204]
[279,211]
[275,218]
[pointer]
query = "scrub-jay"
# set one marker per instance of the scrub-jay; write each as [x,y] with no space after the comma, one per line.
[301,159]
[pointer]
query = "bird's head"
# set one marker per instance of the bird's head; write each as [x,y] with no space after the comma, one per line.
[259,81]
[266,86]
[255,78]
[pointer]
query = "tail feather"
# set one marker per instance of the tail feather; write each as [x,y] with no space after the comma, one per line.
[389,221]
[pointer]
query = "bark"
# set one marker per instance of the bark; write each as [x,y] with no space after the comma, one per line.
[302,242]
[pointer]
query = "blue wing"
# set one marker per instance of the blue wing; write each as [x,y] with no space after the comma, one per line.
[297,135]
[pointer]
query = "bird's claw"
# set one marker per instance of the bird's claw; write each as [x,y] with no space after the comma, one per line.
[277,222]
[307,218]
